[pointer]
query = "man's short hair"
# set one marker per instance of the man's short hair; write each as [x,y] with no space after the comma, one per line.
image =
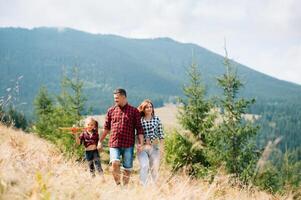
[120,91]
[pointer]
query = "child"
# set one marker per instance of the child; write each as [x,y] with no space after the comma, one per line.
[89,138]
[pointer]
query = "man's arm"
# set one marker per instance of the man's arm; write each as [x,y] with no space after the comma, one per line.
[106,129]
[139,130]
[101,139]
[104,134]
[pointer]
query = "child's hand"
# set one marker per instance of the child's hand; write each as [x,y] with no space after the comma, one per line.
[74,130]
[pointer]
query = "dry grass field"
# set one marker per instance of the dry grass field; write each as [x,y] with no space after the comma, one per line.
[32,168]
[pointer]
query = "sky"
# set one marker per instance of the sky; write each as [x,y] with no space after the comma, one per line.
[264,35]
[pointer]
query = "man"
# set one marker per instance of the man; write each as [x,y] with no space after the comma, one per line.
[121,121]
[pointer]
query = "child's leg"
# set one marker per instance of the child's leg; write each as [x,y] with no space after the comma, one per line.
[98,165]
[91,167]
[96,161]
[89,158]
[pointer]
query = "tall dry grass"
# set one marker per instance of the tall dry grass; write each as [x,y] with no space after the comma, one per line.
[32,168]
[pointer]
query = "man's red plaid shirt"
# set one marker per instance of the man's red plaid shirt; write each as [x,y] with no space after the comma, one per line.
[122,123]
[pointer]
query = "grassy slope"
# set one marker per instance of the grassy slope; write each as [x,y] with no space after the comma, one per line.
[31,168]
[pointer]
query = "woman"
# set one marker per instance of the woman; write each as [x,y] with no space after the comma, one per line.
[149,157]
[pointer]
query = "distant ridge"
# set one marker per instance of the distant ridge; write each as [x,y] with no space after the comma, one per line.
[147,68]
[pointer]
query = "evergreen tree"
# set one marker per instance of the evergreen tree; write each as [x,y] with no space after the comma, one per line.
[187,150]
[234,134]
[44,110]
[194,113]
[66,113]
[71,99]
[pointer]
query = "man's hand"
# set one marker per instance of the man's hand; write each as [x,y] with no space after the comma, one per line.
[99,146]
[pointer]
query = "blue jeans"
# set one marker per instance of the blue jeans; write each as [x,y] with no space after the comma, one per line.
[149,160]
[94,161]
[127,155]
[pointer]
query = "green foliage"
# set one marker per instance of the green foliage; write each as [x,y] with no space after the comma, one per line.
[71,99]
[269,179]
[233,137]
[194,113]
[183,151]
[188,151]
[64,112]
[281,173]
[12,117]
[279,119]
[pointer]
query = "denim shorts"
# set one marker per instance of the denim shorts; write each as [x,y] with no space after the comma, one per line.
[127,155]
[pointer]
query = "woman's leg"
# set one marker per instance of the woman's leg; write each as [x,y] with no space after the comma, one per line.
[155,163]
[144,167]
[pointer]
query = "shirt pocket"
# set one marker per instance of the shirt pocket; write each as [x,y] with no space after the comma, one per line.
[115,121]
[126,119]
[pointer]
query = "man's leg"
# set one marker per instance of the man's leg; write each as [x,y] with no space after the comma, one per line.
[126,176]
[128,157]
[116,171]
[115,160]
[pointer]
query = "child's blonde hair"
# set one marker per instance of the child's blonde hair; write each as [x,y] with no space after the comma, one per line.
[91,119]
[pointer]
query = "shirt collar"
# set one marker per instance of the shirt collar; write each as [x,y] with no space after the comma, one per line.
[125,106]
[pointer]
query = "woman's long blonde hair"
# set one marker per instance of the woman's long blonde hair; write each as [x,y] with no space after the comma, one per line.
[142,106]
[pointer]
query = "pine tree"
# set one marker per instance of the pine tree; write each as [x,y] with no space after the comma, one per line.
[187,150]
[65,112]
[71,99]
[194,114]
[44,110]
[236,147]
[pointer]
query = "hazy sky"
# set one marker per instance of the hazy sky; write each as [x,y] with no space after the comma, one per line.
[262,34]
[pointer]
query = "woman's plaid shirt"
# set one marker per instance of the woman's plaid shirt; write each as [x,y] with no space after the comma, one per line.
[152,128]
[122,123]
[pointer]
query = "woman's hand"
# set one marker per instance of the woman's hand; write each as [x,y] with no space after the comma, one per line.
[147,146]
[139,148]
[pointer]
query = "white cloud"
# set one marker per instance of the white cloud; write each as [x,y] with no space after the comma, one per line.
[263,34]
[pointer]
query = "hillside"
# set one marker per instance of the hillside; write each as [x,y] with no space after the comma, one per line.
[31,168]
[147,68]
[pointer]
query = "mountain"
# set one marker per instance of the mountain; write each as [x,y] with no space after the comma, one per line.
[147,68]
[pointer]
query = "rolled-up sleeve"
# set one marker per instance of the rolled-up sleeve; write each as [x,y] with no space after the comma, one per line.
[138,125]
[160,130]
[107,124]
